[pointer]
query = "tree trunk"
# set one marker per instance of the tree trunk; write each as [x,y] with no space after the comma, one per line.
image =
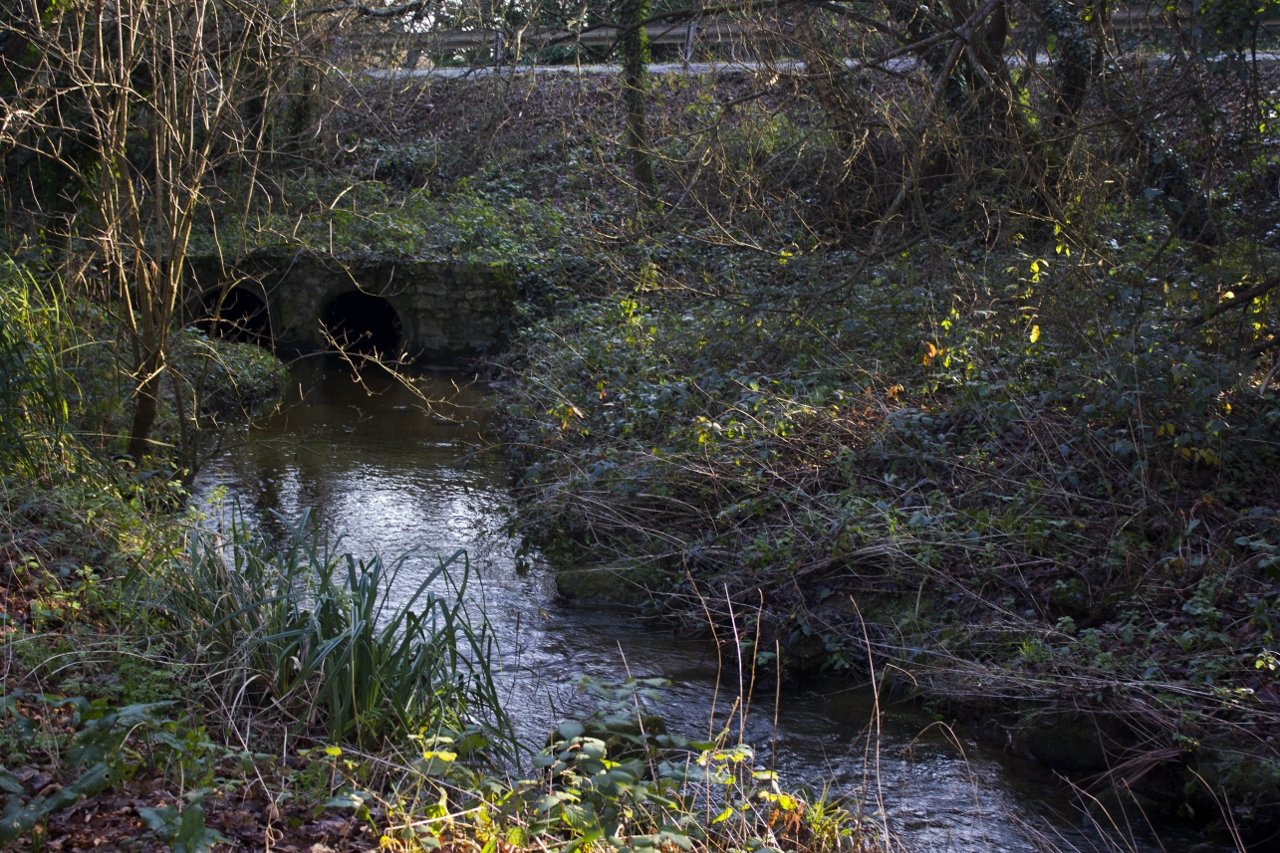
[144,413]
[635,87]
[1077,55]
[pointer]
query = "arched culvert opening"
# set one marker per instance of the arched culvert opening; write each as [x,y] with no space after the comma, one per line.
[363,323]
[242,316]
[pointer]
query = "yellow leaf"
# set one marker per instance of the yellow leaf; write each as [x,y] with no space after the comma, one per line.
[1035,334]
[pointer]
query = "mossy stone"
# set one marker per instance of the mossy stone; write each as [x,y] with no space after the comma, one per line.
[606,584]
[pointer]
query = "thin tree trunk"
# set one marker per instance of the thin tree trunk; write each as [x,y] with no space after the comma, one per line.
[145,407]
[635,87]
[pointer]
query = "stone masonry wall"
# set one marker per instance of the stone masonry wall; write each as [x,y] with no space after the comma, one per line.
[446,309]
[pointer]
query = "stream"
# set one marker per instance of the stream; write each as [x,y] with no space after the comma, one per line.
[394,477]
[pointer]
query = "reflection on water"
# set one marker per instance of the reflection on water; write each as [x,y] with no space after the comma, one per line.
[394,476]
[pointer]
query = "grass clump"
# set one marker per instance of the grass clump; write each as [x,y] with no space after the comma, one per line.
[311,635]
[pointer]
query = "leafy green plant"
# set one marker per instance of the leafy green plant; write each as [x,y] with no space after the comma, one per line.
[98,746]
[617,780]
[183,830]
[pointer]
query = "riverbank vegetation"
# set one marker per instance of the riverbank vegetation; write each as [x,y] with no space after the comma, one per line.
[175,680]
[1017,443]
[936,345]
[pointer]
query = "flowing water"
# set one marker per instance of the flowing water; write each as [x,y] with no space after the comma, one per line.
[394,476]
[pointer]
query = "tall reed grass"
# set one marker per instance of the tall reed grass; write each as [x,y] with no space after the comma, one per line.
[33,409]
[292,627]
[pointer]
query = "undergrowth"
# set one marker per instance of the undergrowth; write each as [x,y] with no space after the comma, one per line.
[1042,488]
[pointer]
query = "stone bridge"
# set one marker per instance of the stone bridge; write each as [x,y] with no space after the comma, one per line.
[440,311]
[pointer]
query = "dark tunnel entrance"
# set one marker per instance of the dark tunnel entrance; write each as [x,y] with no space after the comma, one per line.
[242,317]
[363,323]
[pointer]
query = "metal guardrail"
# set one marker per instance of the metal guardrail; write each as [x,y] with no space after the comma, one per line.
[789,66]
[499,44]
[602,36]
